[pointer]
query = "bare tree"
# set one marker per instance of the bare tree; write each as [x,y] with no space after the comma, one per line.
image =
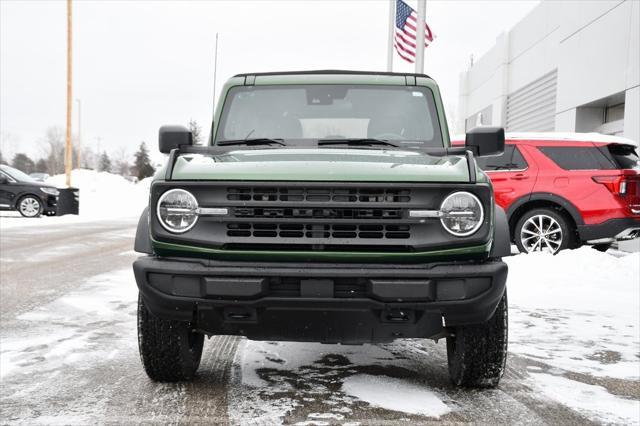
[121,164]
[22,162]
[53,147]
[196,132]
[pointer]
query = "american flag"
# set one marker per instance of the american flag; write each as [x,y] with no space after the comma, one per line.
[406,31]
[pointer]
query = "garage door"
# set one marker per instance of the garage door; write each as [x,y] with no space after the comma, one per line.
[532,108]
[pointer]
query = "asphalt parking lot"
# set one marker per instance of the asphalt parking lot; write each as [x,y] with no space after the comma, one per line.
[69,355]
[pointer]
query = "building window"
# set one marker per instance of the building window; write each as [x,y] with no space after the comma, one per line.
[481,118]
[614,113]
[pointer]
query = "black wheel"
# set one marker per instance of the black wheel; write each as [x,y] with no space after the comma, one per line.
[170,350]
[544,230]
[29,206]
[602,247]
[477,354]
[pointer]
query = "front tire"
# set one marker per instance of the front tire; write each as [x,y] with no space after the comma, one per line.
[477,354]
[544,230]
[170,350]
[30,206]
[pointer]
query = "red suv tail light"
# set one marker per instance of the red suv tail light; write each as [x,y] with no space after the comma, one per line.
[626,186]
[616,184]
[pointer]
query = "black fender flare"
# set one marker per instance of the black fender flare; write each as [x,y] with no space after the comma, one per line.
[545,196]
[501,246]
[142,242]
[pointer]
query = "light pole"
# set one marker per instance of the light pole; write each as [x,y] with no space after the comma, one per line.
[79,152]
[68,154]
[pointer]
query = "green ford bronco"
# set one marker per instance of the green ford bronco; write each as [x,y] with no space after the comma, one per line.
[327,206]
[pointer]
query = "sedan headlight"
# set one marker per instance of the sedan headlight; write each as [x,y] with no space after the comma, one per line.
[177,210]
[50,191]
[461,214]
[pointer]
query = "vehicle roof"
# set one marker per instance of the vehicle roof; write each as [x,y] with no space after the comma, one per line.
[563,136]
[331,72]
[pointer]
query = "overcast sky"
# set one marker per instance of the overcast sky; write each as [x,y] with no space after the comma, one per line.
[141,64]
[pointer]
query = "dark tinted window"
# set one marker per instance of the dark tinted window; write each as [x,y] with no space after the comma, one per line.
[578,157]
[510,159]
[624,156]
[517,160]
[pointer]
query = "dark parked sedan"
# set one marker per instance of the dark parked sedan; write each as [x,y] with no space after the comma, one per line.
[20,192]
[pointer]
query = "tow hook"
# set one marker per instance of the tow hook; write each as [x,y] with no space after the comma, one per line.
[397,315]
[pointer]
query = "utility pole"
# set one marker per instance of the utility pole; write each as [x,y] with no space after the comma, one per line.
[68,153]
[79,148]
[420,36]
[392,30]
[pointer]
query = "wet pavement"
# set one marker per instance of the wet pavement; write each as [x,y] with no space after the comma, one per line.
[68,352]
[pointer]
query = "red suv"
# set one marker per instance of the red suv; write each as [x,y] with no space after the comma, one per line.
[564,190]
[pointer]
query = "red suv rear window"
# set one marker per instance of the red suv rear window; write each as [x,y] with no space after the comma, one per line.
[625,156]
[608,157]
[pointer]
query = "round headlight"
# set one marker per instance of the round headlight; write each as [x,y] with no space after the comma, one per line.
[461,214]
[177,210]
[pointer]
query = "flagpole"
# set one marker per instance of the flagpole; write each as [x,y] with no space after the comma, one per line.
[420,36]
[392,28]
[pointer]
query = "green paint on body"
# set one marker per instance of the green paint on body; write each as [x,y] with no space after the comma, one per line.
[322,164]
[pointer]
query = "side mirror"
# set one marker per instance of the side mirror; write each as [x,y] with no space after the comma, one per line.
[3,180]
[170,137]
[485,141]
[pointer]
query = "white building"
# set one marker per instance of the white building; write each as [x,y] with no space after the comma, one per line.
[567,66]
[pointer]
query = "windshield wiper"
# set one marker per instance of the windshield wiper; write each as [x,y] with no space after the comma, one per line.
[255,141]
[356,141]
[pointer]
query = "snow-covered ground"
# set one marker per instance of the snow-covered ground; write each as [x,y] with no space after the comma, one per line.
[574,320]
[103,196]
[574,357]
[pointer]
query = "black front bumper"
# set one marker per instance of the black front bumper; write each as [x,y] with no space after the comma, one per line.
[348,303]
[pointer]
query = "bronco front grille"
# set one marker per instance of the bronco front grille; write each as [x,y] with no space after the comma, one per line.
[369,217]
[318,231]
[323,195]
[333,216]
[317,213]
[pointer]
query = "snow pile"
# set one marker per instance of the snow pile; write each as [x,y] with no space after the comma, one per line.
[577,310]
[105,195]
[593,401]
[576,313]
[102,196]
[398,395]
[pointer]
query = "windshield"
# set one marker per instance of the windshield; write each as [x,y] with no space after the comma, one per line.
[302,115]
[17,174]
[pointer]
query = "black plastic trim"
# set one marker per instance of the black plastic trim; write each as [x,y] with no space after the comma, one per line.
[322,72]
[353,320]
[501,238]
[171,162]
[142,242]
[545,196]
[607,229]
